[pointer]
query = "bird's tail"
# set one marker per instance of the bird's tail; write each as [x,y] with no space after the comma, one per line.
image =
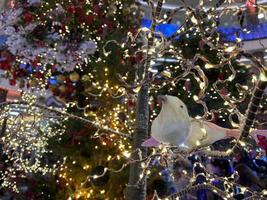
[232,133]
[236,133]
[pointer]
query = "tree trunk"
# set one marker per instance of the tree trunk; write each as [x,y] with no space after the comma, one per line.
[252,20]
[3,96]
[136,190]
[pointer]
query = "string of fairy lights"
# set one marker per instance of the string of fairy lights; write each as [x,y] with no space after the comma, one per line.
[27,133]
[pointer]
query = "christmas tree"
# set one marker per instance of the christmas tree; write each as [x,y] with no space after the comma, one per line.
[106,73]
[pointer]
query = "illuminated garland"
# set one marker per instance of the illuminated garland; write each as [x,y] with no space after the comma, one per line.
[65,114]
[183,69]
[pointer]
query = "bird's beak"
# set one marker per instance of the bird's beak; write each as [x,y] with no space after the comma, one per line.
[161,99]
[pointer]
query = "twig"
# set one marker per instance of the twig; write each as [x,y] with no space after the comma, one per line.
[75,117]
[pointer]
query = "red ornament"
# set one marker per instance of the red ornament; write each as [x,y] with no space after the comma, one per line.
[35,62]
[79,10]
[12,82]
[69,89]
[81,18]
[5,65]
[89,19]
[38,75]
[15,74]
[71,9]
[27,17]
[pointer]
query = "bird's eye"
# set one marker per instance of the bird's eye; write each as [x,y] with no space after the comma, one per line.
[181,106]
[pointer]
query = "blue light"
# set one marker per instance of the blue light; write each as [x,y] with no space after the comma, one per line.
[3,39]
[166,29]
[229,33]
[53,80]
[27,67]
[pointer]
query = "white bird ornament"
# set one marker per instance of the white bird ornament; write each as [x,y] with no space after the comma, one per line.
[174,126]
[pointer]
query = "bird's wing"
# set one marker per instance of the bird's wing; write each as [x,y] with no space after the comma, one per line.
[204,133]
[228,132]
